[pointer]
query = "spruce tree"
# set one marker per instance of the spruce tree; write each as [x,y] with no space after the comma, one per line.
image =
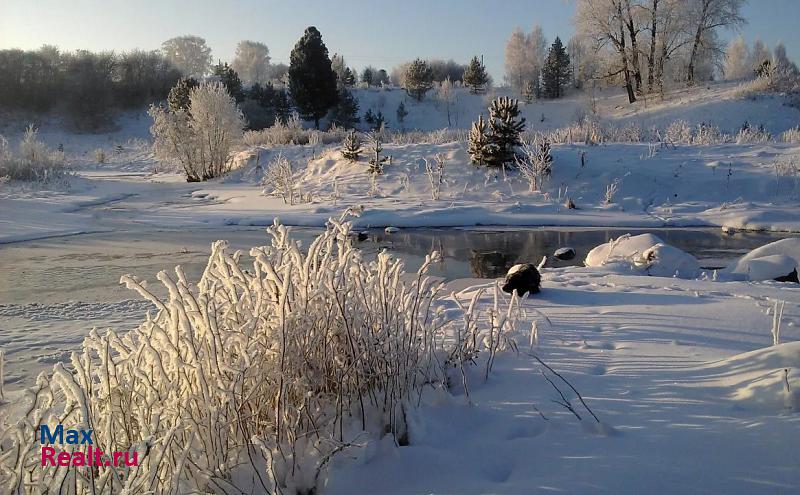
[505,126]
[351,146]
[367,76]
[312,82]
[369,117]
[345,113]
[475,76]
[557,70]
[230,79]
[178,98]
[349,78]
[418,79]
[402,113]
[283,107]
[480,144]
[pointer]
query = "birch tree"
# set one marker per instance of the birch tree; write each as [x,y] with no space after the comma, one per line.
[707,16]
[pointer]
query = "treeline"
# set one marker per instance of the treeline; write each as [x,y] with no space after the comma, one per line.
[87,86]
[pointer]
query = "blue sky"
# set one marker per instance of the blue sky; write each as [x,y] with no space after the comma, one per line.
[380,33]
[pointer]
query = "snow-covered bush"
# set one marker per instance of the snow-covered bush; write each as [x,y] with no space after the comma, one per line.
[791,135]
[32,161]
[534,162]
[753,135]
[200,139]
[708,134]
[679,132]
[251,379]
[435,173]
[293,133]
[279,180]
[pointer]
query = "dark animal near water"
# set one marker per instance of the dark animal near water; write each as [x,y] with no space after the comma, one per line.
[522,278]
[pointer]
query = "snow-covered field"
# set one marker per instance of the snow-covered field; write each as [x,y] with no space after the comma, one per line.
[692,390]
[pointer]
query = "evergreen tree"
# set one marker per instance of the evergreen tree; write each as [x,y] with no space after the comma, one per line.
[475,76]
[381,78]
[178,98]
[351,146]
[367,76]
[349,78]
[369,117]
[505,126]
[264,95]
[312,82]
[345,113]
[282,105]
[380,121]
[402,113]
[230,79]
[377,161]
[418,79]
[480,145]
[557,70]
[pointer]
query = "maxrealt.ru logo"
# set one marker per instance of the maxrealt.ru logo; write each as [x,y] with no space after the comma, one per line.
[92,456]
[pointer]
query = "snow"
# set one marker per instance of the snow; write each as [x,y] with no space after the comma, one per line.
[768,262]
[677,363]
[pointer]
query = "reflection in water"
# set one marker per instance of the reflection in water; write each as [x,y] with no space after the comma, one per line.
[489,264]
[489,253]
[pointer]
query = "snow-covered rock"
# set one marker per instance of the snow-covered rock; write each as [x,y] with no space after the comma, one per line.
[769,262]
[564,253]
[663,260]
[621,249]
[645,253]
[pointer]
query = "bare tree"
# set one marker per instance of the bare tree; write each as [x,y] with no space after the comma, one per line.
[251,61]
[708,15]
[189,54]
[604,22]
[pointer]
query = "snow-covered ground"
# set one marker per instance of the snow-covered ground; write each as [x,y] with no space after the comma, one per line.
[691,394]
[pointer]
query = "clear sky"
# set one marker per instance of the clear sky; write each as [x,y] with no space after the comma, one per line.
[380,33]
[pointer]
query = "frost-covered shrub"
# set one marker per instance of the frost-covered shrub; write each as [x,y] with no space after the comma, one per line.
[292,133]
[750,134]
[32,161]
[707,134]
[199,140]
[679,132]
[791,135]
[251,379]
[535,162]
[280,181]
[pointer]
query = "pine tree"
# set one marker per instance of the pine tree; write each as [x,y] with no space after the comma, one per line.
[367,76]
[178,98]
[557,70]
[345,113]
[351,146]
[505,126]
[475,76]
[377,161]
[230,79]
[418,79]
[402,113]
[264,95]
[369,117]
[312,82]
[480,144]
[380,122]
[349,78]
[283,107]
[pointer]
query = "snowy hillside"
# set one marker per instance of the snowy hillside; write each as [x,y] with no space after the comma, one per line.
[718,104]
